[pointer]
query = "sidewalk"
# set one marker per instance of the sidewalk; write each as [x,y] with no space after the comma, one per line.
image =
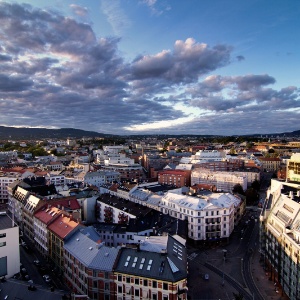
[261,279]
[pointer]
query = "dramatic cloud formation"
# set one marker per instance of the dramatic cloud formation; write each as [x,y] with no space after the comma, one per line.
[55,72]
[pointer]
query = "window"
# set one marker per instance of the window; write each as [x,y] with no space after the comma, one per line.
[154,296]
[165,286]
[119,277]
[154,284]
[136,292]
[2,235]
[128,279]
[145,282]
[165,297]
[2,244]
[136,281]
[95,283]
[106,286]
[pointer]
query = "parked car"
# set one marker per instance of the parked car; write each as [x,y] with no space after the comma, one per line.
[23,271]
[37,262]
[47,278]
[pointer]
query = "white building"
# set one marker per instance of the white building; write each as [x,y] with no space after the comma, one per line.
[56,178]
[9,247]
[100,177]
[114,149]
[224,181]
[41,220]
[210,216]
[6,178]
[203,156]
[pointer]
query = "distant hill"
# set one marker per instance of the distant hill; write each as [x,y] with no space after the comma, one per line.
[42,133]
[25,133]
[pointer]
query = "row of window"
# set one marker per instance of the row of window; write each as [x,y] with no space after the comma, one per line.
[143,282]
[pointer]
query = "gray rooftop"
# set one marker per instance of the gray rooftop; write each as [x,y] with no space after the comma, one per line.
[5,221]
[90,253]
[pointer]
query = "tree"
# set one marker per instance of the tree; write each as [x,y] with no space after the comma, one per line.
[238,189]
[255,185]
[251,196]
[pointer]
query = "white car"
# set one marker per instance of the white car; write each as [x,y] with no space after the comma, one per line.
[47,278]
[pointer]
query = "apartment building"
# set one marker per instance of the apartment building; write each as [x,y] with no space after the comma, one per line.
[210,216]
[6,178]
[56,178]
[224,181]
[55,166]
[178,178]
[270,164]
[111,209]
[41,220]
[88,265]
[31,205]
[160,275]
[204,156]
[101,177]
[293,168]
[280,236]
[9,246]
[59,230]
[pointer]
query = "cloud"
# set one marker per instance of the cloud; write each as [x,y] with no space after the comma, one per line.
[116,16]
[156,8]
[240,57]
[79,10]
[187,62]
[242,93]
[55,72]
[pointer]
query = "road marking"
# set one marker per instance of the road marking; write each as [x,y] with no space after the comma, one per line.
[192,256]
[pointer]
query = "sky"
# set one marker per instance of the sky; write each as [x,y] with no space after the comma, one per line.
[206,67]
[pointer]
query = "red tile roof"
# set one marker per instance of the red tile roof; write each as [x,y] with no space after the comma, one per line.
[47,215]
[62,226]
[70,203]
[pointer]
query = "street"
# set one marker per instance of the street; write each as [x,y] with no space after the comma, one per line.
[230,274]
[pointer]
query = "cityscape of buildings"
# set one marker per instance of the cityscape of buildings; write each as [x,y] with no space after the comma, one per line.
[116,221]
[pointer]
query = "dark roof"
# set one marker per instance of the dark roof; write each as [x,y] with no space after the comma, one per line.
[125,205]
[159,266]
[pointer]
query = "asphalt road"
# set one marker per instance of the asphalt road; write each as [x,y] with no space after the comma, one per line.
[228,276]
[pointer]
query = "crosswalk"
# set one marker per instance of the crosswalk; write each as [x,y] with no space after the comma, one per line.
[192,256]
